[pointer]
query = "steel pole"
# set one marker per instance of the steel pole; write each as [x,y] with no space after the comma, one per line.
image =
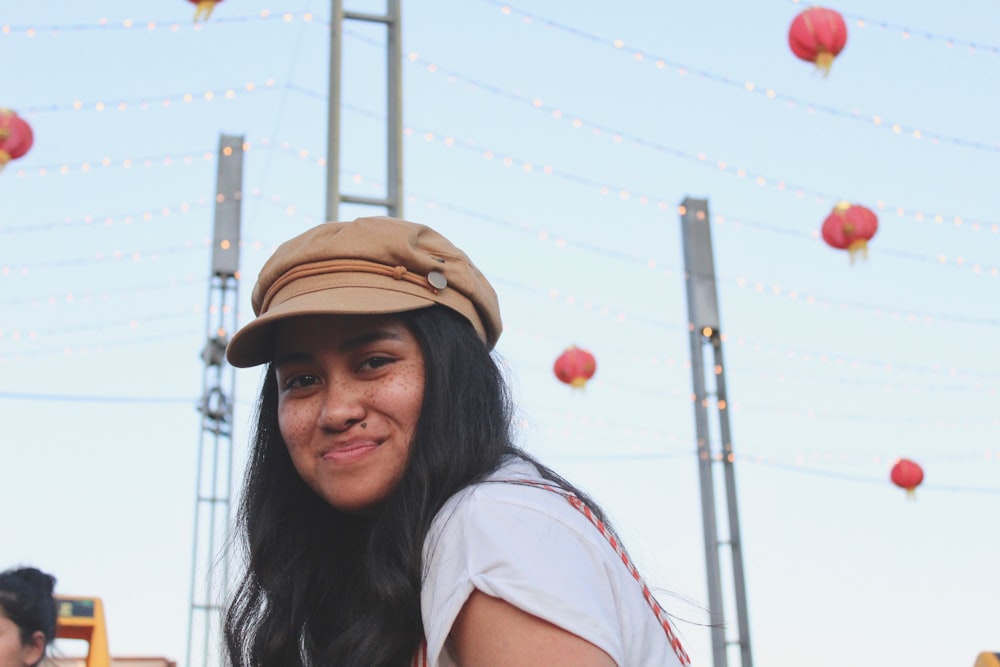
[709,528]
[735,541]
[333,113]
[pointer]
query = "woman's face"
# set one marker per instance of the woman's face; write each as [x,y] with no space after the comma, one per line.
[350,390]
[12,652]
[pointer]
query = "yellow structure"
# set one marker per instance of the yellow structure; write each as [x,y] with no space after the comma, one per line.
[83,618]
[988,660]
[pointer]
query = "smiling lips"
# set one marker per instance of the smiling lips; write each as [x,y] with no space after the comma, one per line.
[350,452]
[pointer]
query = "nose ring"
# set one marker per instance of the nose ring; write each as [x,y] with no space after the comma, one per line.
[364,425]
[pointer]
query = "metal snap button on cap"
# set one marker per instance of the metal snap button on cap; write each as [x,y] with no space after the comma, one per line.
[437,280]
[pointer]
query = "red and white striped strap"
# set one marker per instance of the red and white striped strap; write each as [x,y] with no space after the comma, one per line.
[420,657]
[647,594]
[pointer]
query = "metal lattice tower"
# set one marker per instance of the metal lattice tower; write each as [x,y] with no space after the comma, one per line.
[210,558]
[705,334]
[393,200]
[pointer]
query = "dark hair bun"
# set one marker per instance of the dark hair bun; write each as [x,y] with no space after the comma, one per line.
[37,579]
[26,599]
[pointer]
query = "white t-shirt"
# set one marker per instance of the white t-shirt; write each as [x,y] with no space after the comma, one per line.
[536,550]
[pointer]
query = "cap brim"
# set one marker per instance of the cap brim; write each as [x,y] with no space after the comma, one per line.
[253,344]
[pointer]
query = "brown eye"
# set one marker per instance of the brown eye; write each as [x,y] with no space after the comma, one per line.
[300,381]
[373,363]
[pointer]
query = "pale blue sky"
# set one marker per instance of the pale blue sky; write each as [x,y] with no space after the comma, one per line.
[556,156]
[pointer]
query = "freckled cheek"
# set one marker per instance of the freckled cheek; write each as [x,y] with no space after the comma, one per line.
[413,393]
[293,426]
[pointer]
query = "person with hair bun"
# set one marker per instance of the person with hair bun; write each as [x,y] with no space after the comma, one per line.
[387,517]
[27,616]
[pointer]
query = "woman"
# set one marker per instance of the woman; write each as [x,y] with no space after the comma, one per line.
[27,616]
[387,517]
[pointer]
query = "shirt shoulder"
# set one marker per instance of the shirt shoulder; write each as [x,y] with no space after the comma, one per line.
[511,538]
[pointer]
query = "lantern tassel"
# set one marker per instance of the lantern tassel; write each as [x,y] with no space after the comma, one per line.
[204,10]
[858,247]
[824,59]
[911,494]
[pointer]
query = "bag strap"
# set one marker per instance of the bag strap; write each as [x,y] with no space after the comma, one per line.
[647,593]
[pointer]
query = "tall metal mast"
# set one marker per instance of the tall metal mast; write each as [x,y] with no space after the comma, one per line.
[393,200]
[209,559]
[705,332]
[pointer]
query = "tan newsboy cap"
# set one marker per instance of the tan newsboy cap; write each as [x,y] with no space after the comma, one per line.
[367,266]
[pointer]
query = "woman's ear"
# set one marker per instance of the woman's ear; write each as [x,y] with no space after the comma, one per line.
[34,649]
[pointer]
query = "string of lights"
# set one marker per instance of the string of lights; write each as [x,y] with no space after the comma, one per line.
[781,411]
[617,136]
[621,137]
[103,325]
[628,195]
[800,192]
[107,219]
[890,384]
[804,463]
[66,351]
[793,294]
[959,380]
[172,25]
[543,236]
[304,154]
[790,412]
[824,464]
[663,63]
[103,257]
[166,160]
[774,290]
[807,355]
[922,318]
[641,443]
[670,363]
[846,362]
[81,398]
[777,291]
[93,296]
[840,417]
[654,361]
[847,477]
[146,162]
[144,104]
[907,33]
[799,465]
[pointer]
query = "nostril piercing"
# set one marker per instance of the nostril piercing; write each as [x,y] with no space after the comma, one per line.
[364,424]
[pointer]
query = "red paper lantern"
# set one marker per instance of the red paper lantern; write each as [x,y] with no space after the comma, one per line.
[575,366]
[849,227]
[908,475]
[818,35]
[204,9]
[15,136]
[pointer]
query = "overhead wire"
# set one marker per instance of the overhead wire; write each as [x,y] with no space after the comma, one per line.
[908,33]
[662,62]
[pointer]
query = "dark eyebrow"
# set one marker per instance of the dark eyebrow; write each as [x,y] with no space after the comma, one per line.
[367,337]
[290,358]
[354,343]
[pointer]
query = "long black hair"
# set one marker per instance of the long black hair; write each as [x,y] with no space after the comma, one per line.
[324,587]
[26,599]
